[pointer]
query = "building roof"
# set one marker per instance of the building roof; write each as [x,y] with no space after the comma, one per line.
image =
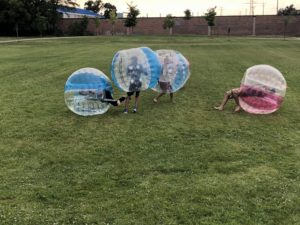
[78,11]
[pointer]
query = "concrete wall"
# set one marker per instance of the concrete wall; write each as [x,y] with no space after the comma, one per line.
[239,25]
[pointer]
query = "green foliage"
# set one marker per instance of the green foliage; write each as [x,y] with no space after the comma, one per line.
[288,11]
[97,24]
[168,22]
[210,16]
[94,6]
[97,21]
[108,9]
[15,13]
[187,14]
[287,14]
[131,19]
[79,28]
[113,17]
[41,23]
[24,12]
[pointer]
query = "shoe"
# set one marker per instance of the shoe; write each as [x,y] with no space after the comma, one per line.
[155,100]
[122,99]
[134,110]
[125,111]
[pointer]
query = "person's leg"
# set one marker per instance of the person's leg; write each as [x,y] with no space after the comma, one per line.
[164,86]
[110,101]
[237,107]
[127,101]
[126,104]
[137,97]
[172,97]
[227,95]
[157,97]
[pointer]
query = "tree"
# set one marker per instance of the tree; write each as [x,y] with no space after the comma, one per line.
[16,14]
[97,24]
[131,19]
[210,16]
[79,28]
[113,19]
[288,11]
[108,9]
[187,14]
[287,14]
[169,23]
[94,6]
[41,23]
[31,15]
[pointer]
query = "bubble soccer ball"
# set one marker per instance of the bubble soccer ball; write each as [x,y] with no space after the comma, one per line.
[135,69]
[175,71]
[84,89]
[262,90]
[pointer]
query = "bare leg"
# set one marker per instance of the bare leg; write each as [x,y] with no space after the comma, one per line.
[225,99]
[136,103]
[171,97]
[156,99]
[237,107]
[126,104]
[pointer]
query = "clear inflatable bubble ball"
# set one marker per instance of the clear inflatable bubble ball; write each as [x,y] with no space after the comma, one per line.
[135,69]
[175,71]
[262,90]
[84,90]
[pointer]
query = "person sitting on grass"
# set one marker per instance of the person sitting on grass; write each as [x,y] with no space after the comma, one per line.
[231,94]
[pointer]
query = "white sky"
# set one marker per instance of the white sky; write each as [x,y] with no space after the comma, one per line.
[156,8]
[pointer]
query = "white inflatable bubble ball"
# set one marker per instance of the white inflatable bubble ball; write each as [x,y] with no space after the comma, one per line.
[175,71]
[84,90]
[262,90]
[135,69]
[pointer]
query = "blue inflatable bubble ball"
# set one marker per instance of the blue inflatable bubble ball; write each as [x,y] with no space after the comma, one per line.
[135,69]
[84,90]
[175,71]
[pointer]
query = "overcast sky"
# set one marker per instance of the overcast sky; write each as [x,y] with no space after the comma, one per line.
[156,8]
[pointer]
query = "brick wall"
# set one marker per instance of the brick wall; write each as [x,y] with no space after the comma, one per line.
[239,25]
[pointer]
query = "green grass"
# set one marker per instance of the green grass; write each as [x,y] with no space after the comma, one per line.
[182,163]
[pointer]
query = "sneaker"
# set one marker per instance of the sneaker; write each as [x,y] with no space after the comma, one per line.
[155,100]
[134,110]
[125,111]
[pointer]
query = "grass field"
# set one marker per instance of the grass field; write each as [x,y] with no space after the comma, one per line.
[181,163]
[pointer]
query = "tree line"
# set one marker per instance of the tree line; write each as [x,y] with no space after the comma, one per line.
[33,17]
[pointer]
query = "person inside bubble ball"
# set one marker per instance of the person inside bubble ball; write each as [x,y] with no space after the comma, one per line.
[103,96]
[168,73]
[107,97]
[231,94]
[134,71]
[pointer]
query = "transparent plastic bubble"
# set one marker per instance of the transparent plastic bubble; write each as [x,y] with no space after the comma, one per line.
[135,69]
[175,71]
[84,89]
[262,90]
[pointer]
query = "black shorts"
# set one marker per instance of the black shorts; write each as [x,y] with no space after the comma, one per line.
[137,93]
[135,86]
